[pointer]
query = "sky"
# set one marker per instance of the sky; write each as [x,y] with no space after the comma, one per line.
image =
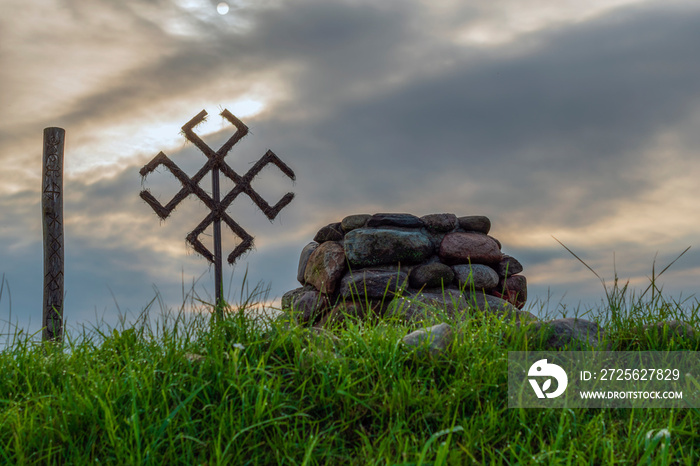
[555,118]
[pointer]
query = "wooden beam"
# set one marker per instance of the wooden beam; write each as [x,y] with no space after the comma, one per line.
[52,221]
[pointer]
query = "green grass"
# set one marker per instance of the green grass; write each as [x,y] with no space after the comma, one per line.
[279,394]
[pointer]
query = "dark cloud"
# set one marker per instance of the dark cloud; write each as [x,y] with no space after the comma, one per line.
[380,110]
[578,110]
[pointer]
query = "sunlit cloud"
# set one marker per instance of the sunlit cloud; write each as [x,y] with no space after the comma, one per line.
[568,119]
[504,21]
[146,134]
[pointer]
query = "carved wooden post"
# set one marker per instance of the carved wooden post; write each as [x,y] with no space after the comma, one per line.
[52,220]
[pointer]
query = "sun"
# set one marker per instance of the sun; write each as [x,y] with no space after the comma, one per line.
[222,8]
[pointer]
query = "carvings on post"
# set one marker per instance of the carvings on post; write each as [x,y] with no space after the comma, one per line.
[52,222]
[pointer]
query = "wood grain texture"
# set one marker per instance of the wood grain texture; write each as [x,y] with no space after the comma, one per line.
[52,222]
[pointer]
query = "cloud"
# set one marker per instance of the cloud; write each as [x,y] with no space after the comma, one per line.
[579,123]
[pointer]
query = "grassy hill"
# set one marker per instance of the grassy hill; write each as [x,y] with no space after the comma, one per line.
[198,391]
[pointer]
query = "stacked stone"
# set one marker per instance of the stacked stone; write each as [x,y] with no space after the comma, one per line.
[359,264]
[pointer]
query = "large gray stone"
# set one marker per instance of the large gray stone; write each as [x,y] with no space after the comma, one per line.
[670,329]
[438,338]
[325,267]
[465,248]
[569,333]
[303,259]
[433,275]
[372,283]
[394,220]
[411,310]
[367,247]
[451,304]
[499,307]
[481,277]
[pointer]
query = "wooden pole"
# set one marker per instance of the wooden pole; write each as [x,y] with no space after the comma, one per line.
[52,221]
[218,279]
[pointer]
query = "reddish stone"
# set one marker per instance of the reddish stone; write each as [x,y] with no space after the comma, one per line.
[465,248]
[325,267]
[477,223]
[513,290]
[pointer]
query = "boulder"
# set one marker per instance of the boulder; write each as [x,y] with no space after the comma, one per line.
[450,304]
[670,329]
[433,275]
[331,232]
[325,267]
[352,222]
[569,333]
[372,283]
[477,223]
[438,338]
[508,266]
[469,248]
[367,247]
[307,304]
[394,220]
[303,259]
[443,223]
[479,276]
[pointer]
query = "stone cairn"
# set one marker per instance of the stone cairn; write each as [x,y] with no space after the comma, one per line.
[400,265]
[438,267]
